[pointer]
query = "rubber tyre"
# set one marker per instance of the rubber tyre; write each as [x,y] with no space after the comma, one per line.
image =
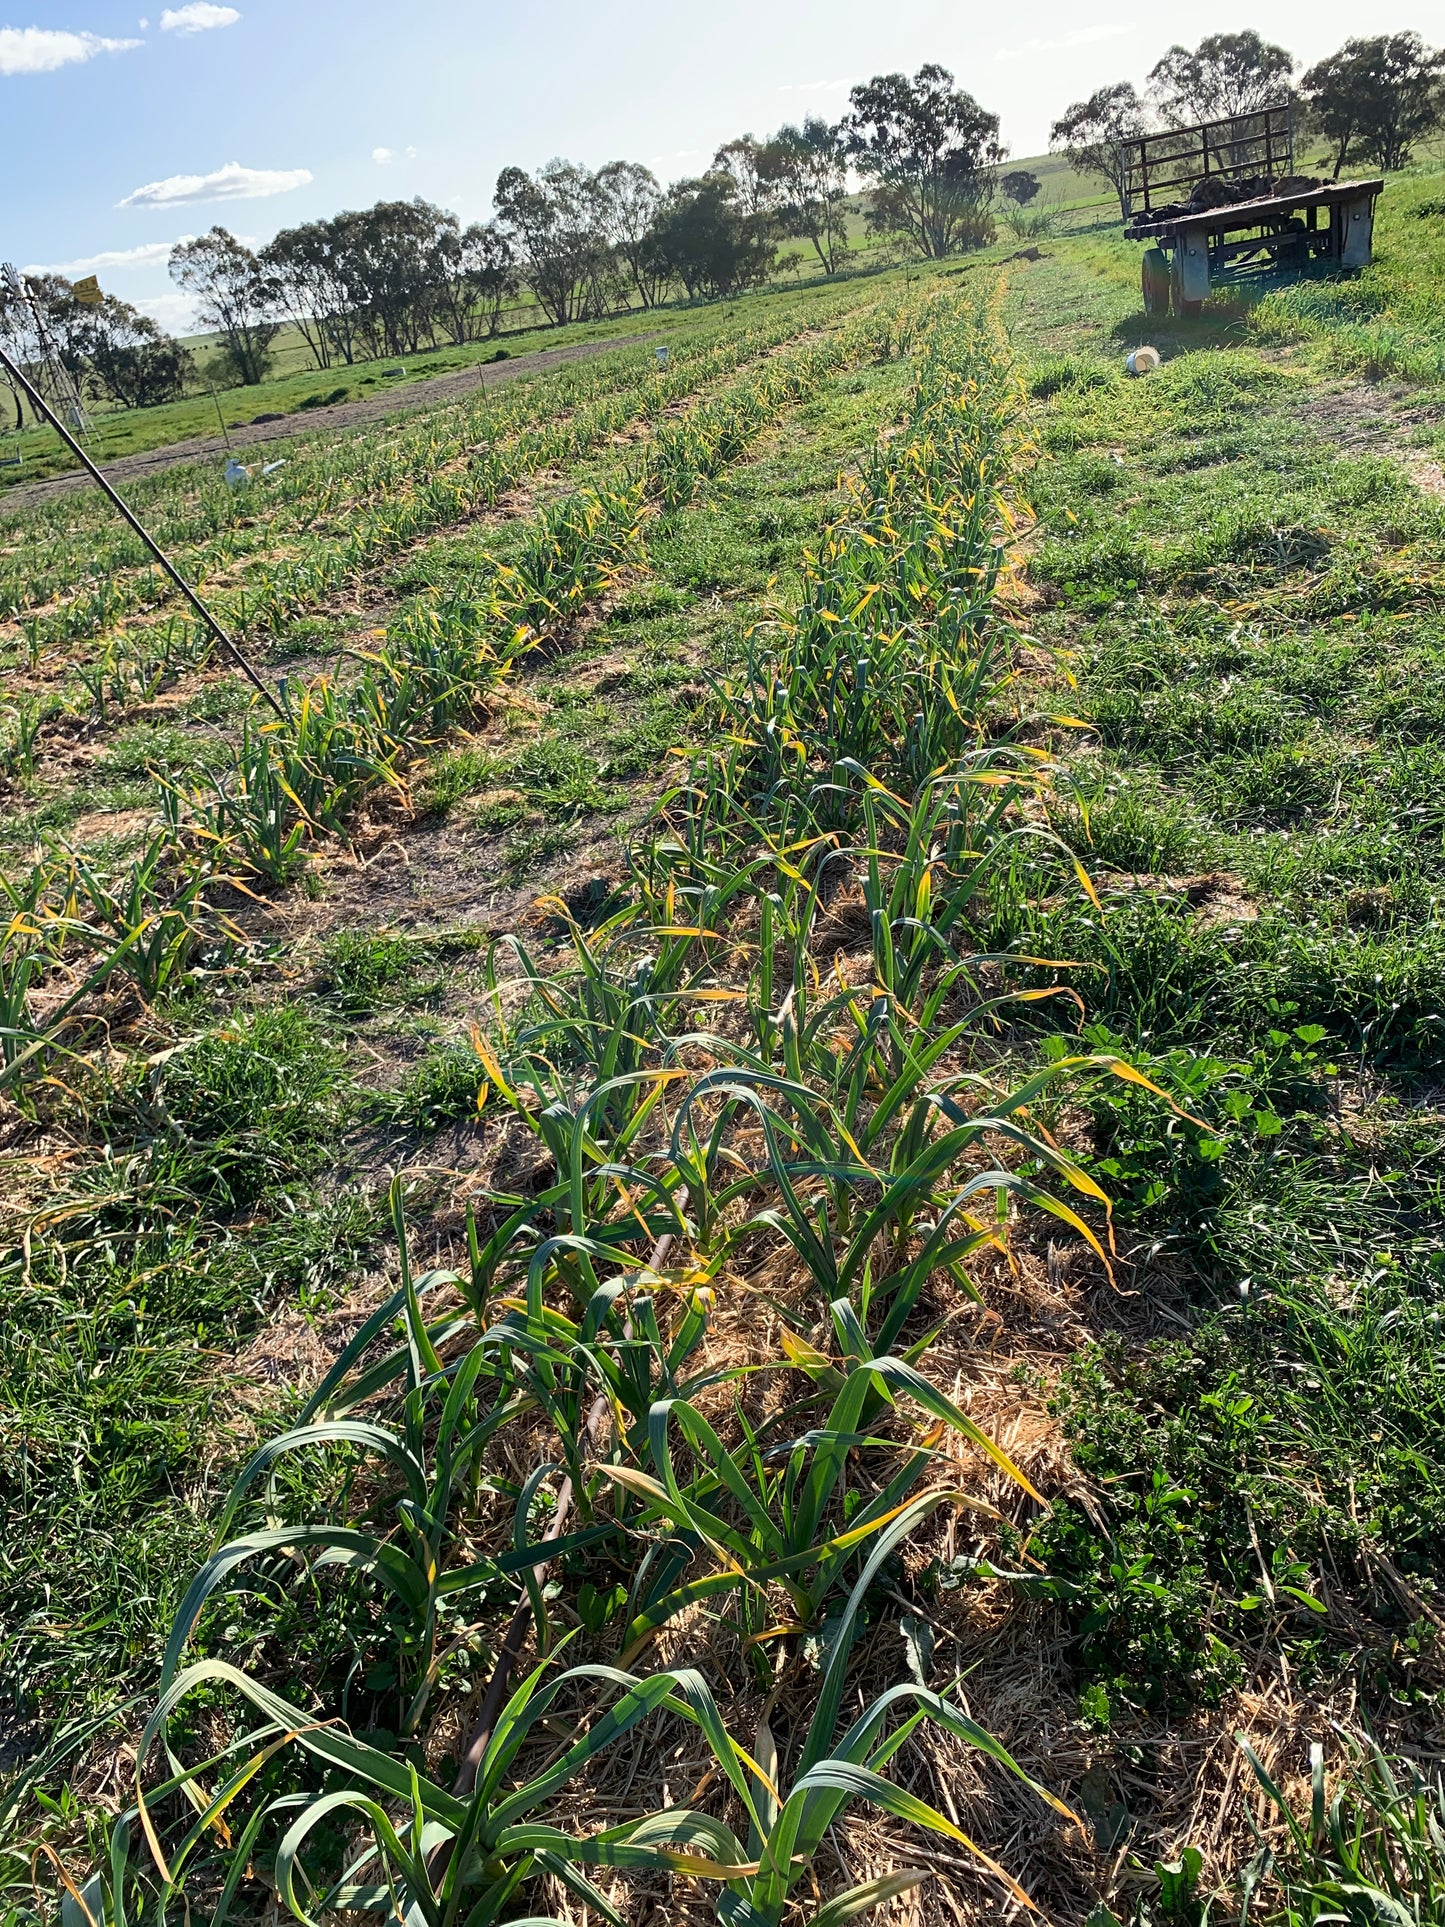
[1154,280]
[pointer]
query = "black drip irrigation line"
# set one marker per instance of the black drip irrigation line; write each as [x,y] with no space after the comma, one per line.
[232,648]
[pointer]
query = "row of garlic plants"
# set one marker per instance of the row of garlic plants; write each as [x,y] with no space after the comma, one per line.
[298,779]
[100,585]
[71,535]
[727,1116]
[348,503]
[395,488]
[208,525]
[98,572]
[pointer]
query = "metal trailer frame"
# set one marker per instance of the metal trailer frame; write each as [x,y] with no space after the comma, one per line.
[1283,235]
[1157,168]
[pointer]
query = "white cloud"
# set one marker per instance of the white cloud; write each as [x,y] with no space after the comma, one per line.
[814,86]
[175,312]
[150,254]
[41,50]
[1080,37]
[229,183]
[665,163]
[200,16]
[384,156]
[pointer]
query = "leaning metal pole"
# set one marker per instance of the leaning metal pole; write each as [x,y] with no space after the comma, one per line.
[42,407]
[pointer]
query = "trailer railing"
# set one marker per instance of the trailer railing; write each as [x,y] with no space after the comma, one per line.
[1162,170]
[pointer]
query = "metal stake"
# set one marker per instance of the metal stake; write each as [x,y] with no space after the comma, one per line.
[233,650]
[219,416]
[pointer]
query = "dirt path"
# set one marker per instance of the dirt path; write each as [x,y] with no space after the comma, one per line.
[1376,418]
[347,414]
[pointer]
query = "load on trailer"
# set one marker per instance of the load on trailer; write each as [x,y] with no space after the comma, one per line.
[1221,202]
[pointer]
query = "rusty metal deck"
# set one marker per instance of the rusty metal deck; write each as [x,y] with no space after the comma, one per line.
[1251,214]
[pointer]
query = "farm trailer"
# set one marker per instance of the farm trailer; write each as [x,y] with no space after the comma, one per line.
[1221,203]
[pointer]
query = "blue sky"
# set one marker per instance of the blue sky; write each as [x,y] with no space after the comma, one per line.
[122,129]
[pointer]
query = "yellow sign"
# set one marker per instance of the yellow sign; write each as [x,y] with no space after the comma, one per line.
[87,292]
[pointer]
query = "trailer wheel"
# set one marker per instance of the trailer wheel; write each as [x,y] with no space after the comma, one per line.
[1154,274]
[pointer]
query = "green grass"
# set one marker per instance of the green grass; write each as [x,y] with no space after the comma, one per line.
[1251,626]
[363,970]
[118,1328]
[1253,621]
[1384,322]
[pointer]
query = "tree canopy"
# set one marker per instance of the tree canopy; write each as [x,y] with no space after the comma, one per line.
[1226,74]
[807,168]
[1090,133]
[707,237]
[234,297]
[554,221]
[1376,97]
[129,358]
[929,148]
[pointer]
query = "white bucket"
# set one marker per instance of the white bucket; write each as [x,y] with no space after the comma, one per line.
[1143,361]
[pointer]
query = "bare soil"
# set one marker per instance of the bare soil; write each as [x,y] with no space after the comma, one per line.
[1376,418]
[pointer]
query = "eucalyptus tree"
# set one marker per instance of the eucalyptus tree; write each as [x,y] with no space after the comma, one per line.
[630,197]
[745,162]
[129,358]
[236,298]
[393,261]
[555,221]
[1092,134]
[809,167]
[1226,74]
[1376,97]
[929,150]
[307,267]
[709,240]
[474,272]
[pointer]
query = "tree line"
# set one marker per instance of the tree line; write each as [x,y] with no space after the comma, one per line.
[402,276]
[588,244]
[1372,101]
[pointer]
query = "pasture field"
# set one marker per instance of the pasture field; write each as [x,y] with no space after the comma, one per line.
[746,1222]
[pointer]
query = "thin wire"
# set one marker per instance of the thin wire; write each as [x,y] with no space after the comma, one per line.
[42,407]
